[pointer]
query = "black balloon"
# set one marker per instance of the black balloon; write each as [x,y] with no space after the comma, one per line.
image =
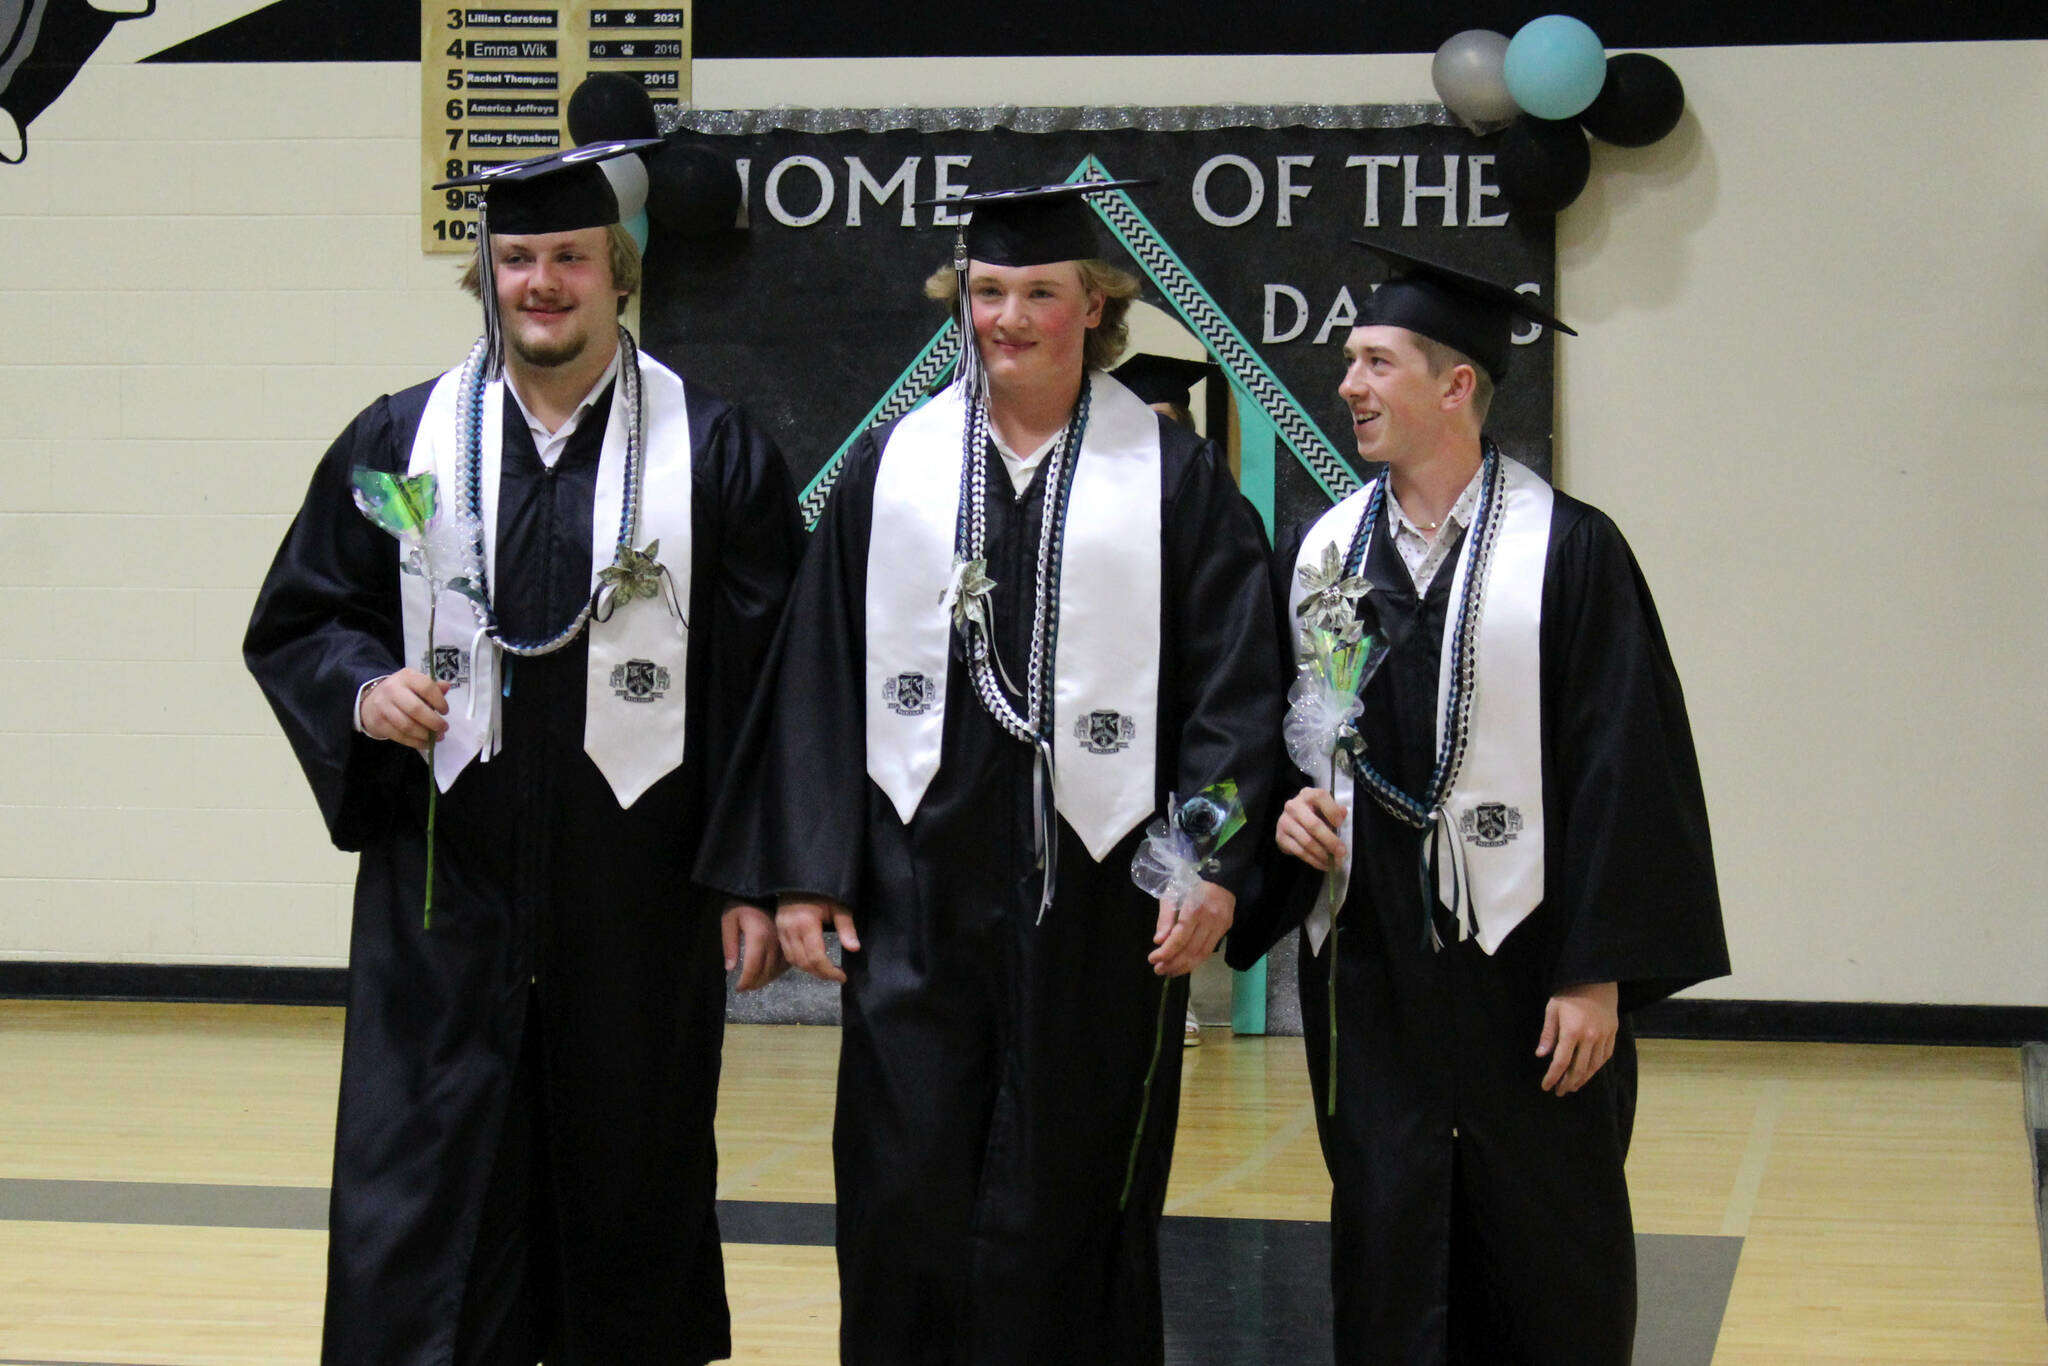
[1542,164]
[608,107]
[691,190]
[1640,102]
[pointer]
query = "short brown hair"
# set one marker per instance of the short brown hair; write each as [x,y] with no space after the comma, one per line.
[1440,358]
[625,263]
[1106,340]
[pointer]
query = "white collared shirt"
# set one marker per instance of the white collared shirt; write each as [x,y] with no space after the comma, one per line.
[1022,467]
[1422,551]
[551,444]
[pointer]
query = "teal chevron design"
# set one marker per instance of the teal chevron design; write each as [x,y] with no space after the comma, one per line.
[917,380]
[1248,372]
[1277,410]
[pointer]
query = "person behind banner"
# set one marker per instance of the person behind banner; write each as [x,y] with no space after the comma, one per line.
[1033,610]
[1498,860]
[1166,383]
[524,1164]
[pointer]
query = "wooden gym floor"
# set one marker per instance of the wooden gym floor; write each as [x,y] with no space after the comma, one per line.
[163,1173]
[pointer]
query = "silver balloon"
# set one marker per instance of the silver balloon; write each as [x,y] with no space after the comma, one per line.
[1468,75]
[628,175]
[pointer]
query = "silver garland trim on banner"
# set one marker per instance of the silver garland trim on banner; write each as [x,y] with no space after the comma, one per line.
[1045,119]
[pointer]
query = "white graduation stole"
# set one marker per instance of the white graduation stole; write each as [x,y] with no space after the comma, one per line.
[638,660]
[1493,817]
[1106,664]
[1334,528]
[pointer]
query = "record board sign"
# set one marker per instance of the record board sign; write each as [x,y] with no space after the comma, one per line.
[495,84]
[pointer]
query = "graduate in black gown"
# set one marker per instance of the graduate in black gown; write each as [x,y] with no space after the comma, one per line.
[1484,1073]
[997,1201]
[524,1166]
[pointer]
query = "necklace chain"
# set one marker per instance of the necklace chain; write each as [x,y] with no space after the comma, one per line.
[469,479]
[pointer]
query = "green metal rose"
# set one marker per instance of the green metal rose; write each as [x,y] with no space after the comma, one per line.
[634,574]
[967,594]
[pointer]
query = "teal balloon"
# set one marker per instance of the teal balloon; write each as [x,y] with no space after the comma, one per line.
[1555,67]
[636,228]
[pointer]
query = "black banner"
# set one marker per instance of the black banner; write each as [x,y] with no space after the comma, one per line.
[814,317]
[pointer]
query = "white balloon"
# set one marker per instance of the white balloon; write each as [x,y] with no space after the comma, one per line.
[628,175]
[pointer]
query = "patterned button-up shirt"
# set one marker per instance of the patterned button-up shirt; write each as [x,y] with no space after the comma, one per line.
[1423,552]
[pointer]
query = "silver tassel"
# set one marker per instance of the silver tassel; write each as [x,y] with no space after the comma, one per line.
[969,370]
[487,283]
[1046,826]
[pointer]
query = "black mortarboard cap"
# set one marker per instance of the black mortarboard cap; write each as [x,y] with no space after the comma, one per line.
[560,192]
[1164,379]
[1035,225]
[1464,312]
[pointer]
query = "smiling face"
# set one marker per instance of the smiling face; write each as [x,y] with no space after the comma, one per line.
[555,294]
[1399,410]
[1032,323]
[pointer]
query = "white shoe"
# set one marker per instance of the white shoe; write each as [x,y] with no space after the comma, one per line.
[1191,1032]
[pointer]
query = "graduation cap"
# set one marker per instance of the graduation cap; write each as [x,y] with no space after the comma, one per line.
[1164,379]
[1464,312]
[1033,225]
[559,192]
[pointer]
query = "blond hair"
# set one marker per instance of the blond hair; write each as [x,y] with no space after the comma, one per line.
[1106,340]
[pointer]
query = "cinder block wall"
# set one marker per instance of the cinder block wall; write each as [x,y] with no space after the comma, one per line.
[1810,386]
[211,269]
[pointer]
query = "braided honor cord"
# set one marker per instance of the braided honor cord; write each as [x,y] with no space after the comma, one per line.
[1422,813]
[469,480]
[970,540]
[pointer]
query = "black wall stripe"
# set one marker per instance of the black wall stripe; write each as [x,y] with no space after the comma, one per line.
[388,30]
[1843,1022]
[1803,1021]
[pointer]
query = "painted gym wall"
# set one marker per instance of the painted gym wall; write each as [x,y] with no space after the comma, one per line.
[1809,386]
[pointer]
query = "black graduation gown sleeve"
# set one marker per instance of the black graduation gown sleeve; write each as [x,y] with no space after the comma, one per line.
[1220,627]
[792,818]
[749,515]
[1630,866]
[326,622]
[1285,885]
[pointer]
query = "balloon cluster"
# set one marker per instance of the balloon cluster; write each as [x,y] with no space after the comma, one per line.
[689,190]
[1548,87]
